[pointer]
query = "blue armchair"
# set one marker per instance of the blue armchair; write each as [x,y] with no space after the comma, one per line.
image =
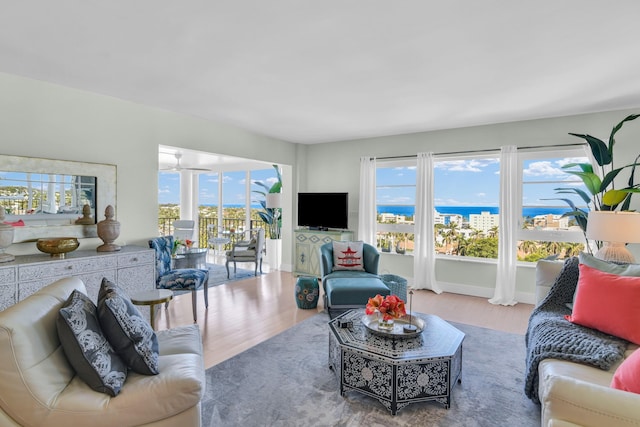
[346,289]
[182,279]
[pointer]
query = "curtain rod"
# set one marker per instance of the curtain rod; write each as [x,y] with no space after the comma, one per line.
[486,150]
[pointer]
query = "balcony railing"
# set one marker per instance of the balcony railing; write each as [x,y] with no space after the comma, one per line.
[165,228]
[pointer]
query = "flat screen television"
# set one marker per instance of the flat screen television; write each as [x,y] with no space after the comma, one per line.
[321,211]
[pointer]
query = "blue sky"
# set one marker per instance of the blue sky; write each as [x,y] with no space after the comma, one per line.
[472,182]
[234,186]
[476,182]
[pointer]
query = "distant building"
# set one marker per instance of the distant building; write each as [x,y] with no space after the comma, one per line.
[484,221]
[446,219]
[551,221]
[393,218]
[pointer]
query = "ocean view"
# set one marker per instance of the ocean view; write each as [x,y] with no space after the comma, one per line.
[465,211]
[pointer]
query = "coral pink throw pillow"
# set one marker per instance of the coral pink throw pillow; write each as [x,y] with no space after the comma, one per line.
[608,302]
[627,376]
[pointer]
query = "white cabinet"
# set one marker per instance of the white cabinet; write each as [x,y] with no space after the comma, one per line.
[8,285]
[307,249]
[133,268]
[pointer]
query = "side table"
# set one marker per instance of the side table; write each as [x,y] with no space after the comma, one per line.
[191,258]
[151,298]
[306,292]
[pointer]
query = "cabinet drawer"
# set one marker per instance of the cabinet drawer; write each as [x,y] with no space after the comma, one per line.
[7,275]
[8,295]
[136,258]
[63,267]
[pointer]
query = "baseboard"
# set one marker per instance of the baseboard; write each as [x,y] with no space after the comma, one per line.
[483,292]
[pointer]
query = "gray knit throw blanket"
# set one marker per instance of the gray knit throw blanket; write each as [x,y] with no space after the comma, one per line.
[550,335]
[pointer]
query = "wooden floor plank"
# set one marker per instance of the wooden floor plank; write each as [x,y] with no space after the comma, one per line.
[244,313]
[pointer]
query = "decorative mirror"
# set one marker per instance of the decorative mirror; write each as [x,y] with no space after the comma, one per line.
[46,198]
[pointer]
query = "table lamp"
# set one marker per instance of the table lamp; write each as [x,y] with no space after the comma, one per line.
[615,229]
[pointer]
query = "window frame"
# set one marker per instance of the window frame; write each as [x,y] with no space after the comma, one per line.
[396,228]
[576,236]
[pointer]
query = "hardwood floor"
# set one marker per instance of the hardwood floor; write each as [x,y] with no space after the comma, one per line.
[244,313]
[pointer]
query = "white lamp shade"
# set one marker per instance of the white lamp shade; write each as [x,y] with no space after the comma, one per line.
[274,200]
[614,226]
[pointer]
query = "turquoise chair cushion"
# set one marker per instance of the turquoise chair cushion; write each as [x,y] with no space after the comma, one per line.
[353,291]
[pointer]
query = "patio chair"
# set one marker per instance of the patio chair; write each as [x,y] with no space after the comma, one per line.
[247,251]
[183,229]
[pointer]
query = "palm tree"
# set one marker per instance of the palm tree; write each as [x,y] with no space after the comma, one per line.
[573,249]
[554,247]
[528,247]
[451,236]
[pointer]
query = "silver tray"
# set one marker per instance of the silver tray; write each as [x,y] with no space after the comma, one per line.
[371,323]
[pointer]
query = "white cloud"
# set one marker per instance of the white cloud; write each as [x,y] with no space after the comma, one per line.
[474,165]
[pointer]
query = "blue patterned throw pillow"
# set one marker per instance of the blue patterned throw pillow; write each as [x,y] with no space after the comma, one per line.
[86,348]
[128,332]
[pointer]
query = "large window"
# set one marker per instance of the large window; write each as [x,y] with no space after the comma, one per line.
[466,199]
[396,206]
[544,228]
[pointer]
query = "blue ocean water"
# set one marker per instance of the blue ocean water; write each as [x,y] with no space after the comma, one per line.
[465,211]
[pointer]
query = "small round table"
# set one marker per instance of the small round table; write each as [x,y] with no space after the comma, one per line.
[151,298]
[191,258]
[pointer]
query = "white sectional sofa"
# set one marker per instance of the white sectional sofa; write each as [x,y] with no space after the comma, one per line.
[38,386]
[574,394]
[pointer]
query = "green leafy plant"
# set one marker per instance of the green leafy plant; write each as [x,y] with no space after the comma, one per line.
[271,216]
[602,192]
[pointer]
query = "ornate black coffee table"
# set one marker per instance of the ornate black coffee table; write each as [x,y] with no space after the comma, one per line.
[396,371]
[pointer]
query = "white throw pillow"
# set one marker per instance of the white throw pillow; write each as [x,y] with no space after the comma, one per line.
[546,273]
[348,256]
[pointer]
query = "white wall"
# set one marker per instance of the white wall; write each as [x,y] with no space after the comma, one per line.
[341,160]
[44,120]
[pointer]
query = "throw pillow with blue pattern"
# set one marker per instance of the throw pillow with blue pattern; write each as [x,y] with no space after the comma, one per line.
[86,348]
[128,332]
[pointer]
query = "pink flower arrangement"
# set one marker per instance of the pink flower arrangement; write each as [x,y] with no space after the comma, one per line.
[390,306]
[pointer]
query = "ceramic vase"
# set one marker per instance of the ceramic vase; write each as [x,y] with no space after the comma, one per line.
[108,231]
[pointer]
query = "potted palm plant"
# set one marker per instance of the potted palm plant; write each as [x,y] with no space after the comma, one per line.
[271,215]
[602,194]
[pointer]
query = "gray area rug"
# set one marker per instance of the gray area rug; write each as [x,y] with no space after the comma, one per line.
[286,381]
[218,274]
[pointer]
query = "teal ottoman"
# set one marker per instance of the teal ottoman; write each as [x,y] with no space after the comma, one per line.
[344,293]
[307,292]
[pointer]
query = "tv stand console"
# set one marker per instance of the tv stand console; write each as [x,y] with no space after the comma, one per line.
[307,249]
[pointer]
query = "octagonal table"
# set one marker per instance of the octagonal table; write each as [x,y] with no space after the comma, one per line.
[396,371]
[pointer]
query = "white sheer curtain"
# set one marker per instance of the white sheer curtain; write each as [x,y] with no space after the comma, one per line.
[367,205]
[505,290]
[424,255]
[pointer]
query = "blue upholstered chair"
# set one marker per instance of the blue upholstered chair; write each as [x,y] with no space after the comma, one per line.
[182,279]
[345,290]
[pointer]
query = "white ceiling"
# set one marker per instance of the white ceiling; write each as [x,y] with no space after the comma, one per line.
[326,70]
